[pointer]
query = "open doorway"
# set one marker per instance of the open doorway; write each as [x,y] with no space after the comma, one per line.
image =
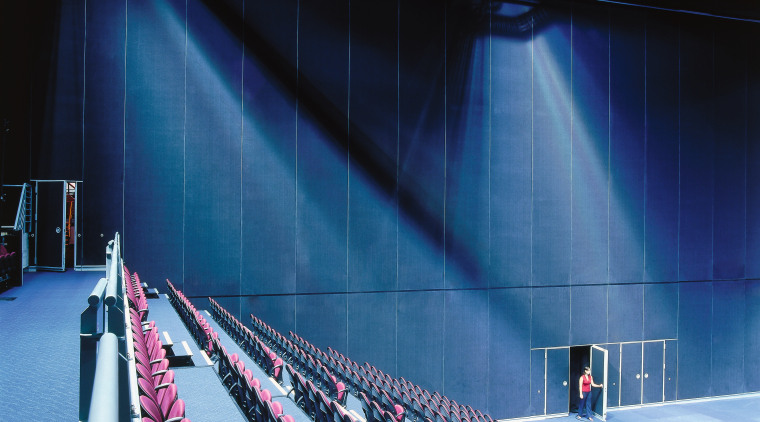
[53,238]
[594,357]
[580,357]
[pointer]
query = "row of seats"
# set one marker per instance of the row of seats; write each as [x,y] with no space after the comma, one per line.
[193,319]
[314,401]
[159,401]
[377,404]
[10,270]
[256,403]
[252,345]
[421,403]
[302,362]
[320,406]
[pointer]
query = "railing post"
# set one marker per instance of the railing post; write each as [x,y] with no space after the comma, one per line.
[88,346]
[105,390]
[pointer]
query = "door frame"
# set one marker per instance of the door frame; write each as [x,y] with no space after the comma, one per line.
[605,369]
[35,234]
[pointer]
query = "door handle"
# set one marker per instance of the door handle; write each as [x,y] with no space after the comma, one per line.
[57,229]
[646,375]
[638,376]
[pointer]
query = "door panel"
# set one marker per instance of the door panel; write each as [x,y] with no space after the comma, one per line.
[599,365]
[613,375]
[557,381]
[653,368]
[50,225]
[537,381]
[671,369]
[78,225]
[630,374]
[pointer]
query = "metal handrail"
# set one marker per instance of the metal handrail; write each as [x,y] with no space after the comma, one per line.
[104,405]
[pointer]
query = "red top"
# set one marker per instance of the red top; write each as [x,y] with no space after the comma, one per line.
[586,383]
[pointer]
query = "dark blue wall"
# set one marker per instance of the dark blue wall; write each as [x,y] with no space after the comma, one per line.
[432,190]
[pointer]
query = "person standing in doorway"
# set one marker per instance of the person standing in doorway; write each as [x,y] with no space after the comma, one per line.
[585,383]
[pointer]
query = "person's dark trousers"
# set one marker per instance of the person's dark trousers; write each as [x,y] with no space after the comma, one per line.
[584,406]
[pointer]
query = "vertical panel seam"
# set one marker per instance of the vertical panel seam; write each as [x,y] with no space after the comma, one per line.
[398,159]
[124,117]
[348,167]
[242,135]
[295,240]
[184,154]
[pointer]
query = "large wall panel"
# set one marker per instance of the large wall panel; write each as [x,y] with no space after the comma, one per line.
[588,314]
[371,330]
[695,316]
[625,312]
[466,347]
[551,235]
[728,319]
[729,244]
[661,303]
[155,127]
[695,236]
[212,242]
[322,180]
[278,311]
[627,196]
[753,158]
[421,164]
[589,153]
[662,151]
[103,145]
[550,317]
[752,335]
[322,319]
[508,352]
[268,202]
[373,148]
[420,338]
[511,165]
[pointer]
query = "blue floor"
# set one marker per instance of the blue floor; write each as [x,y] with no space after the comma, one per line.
[39,359]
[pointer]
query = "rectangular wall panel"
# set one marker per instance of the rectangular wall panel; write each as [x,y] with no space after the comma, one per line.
[268,177]
[420,343]
[155,118]
[696,153]
[373,144]
[729,319]
[625,312]
[322,174]
[695,340]
[465,359]
[630,373]
[103,142]
[421,165]
[590,154]
[588,315]
[660,311]
[508,352]
[550,317]
[467,159]
[729,243]
[277,311]
[372,330]
[552,221]
[321,319]
[662,151]
[752,336]
[753,158]
[511,162]
[627,196]
[213,187]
